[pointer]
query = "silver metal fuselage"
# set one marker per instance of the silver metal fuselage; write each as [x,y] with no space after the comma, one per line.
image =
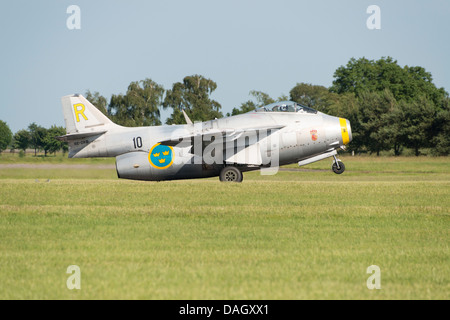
[302,136]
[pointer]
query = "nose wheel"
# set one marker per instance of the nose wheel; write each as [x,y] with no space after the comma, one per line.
[338,166]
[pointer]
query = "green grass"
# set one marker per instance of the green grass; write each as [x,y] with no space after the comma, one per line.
[295,235]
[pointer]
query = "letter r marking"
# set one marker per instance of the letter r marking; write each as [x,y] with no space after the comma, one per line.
[79,111]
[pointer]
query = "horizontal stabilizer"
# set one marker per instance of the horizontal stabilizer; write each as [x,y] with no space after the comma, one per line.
[80,135]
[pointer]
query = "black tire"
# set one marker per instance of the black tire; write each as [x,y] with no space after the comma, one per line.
[231,174]
[336,169]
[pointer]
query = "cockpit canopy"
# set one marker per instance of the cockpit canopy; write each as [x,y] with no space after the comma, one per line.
[285,106]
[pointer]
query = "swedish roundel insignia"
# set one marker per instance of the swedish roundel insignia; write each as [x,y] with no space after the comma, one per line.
[161,156]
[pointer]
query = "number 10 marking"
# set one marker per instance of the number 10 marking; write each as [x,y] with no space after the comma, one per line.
[137,142]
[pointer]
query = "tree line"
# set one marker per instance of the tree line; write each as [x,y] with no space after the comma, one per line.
[34,137]
[390,107]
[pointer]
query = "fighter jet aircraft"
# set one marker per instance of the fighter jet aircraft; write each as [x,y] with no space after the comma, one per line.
[263,139]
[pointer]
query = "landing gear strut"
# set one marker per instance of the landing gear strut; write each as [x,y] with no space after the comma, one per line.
[338,166]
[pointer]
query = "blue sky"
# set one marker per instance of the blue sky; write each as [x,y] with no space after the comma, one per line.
[241,45]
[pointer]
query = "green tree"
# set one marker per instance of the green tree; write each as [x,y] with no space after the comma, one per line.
[192,95]
[440,136]
[139,106]
[405,83]
[98,101]
[262,99]
[417,123]
[51,144]
[357,76]
[313,96]
[37,135]
[375,125]
[5,135]
[244,108]
[22,140]
[119,111]
[415,120]
[394,127]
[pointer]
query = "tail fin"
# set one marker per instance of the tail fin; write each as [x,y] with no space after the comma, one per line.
[82,117]
[86,128]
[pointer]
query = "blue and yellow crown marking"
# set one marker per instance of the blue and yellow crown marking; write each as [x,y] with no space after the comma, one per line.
[161,156]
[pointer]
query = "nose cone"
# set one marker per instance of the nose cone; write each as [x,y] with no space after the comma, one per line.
[349,128]
[346,131]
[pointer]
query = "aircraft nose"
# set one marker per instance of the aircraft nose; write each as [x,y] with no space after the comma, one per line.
[349,130]
[346,131]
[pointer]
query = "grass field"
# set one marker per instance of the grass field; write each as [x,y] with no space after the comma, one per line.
[306,234]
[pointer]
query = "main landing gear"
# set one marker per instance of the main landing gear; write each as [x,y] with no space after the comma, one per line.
[231,174]
[338,166]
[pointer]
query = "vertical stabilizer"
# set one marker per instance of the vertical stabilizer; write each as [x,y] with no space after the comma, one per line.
[86,128]
[81,116]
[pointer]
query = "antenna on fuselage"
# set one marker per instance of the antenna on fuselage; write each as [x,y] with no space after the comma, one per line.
[188,121]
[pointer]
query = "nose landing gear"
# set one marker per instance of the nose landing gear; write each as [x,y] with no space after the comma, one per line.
[338,166]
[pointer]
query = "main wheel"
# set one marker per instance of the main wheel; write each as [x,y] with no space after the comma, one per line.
[337,170]
[230,174]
